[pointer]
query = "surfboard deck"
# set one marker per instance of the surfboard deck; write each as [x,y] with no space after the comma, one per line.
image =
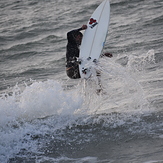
[94,39]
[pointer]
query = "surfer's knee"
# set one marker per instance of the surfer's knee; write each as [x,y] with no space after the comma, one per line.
[73,73]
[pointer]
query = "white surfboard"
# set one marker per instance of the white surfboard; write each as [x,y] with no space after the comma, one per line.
[94,39]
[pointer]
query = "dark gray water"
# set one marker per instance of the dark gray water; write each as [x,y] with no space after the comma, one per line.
[45,117]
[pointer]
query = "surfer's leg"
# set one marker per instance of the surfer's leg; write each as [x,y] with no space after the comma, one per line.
[99,89]
[76,72]
[73,72]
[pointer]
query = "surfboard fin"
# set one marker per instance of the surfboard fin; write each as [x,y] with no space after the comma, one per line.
[89,58]
[79,60]
[95,60]
[84,71]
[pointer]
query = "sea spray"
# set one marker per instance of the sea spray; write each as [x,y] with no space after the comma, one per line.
[121,87]
[38,100]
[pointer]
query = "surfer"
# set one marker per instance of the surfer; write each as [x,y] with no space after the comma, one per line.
[74,38]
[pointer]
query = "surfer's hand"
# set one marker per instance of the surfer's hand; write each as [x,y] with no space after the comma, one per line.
[84,27]
[108,55]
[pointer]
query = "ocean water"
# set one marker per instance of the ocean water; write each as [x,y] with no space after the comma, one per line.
[45,117]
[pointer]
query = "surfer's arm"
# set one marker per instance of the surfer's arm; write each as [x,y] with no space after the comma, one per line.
[77,30]
[71,35]
[82,28]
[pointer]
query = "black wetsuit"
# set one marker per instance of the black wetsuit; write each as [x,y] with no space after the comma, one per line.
[72,66]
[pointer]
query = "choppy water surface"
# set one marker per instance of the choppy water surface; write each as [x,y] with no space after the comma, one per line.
[47,117]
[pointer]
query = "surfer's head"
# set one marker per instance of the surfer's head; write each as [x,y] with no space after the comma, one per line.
[78,38]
